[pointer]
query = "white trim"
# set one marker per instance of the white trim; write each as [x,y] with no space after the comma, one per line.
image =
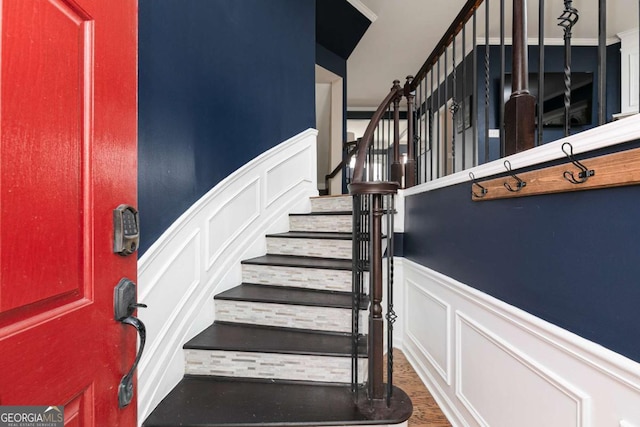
[445,372]
[604,385]
[581,399]
[603,136]
[363,9]
[186,266]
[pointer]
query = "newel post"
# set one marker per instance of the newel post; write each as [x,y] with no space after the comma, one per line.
[396,165]
[519,113]
[410,167]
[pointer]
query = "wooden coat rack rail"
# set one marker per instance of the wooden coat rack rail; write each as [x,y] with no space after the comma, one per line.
[610,170]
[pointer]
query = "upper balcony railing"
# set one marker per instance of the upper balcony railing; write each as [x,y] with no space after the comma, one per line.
[475,100]
[509,75]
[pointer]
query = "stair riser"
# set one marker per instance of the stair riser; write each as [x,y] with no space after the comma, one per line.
[328,223]
[307,278]
[290,316]
[321,248]
[295,367]
[332,204]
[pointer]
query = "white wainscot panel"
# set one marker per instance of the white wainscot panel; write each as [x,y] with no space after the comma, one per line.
[179,275]
[231,219]
[286,175]
[489,371]
[171,287]
[428,326]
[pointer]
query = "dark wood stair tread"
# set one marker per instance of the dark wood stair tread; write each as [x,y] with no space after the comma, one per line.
[286,295]
[300,261]
[312,235]
[239,337]
[323,213]
[217,402]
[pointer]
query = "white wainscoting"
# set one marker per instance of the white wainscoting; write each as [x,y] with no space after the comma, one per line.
[488,363]
[199,255]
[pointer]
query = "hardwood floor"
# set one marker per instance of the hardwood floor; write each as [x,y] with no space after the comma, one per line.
[426,411]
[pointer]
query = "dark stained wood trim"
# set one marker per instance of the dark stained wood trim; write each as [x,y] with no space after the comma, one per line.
[465,14]
[396,91]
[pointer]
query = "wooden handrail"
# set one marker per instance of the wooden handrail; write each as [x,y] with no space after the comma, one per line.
[465,14]
[363,147]
[342,164]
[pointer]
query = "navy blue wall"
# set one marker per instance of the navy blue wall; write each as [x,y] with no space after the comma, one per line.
[571,259]
[220,82]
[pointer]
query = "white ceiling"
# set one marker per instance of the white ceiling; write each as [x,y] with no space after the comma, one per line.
[406,31]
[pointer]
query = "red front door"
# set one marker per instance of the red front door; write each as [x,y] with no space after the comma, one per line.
[68,158]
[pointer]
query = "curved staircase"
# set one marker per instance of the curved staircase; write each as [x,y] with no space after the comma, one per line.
[279,352]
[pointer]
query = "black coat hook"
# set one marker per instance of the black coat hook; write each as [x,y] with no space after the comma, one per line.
[584,174]
[519,184]
[483,191]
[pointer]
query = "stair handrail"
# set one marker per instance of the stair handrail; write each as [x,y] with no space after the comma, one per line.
[463,16]
[343,163]
[394,96]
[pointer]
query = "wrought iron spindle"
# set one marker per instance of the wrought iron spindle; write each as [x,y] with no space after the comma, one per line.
[464,95]
[431,128]
[487,86]
[540,71]
[445,111]
[602,62]
[503,70]
[454,108]
[568,19]
[474,111]
[391,314]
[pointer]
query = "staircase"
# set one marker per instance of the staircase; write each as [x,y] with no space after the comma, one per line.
[279,352]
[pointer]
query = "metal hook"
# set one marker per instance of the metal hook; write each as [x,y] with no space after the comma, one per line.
[483,191]
[584,174]
[520,183]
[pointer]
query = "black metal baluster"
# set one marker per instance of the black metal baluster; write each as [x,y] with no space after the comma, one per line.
[419,137]
[431,127]
[503,70]
[602,62]
[540,72]
[439,120]
[487,86]
[454,108]
[474,97]
[464,95]
[391,314]
[567,20]
[445,110]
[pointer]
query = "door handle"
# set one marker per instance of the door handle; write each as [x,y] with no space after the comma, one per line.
[125,390]
[124,306]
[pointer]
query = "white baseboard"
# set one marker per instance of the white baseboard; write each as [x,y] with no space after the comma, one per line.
[488,363]
[199,255]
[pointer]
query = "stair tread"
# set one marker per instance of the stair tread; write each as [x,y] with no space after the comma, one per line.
[300,261]
[285,295]
[249,338]
[313,235]
[323,213]
[214,402]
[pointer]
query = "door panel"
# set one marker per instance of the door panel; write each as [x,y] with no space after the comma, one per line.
[43,117]
[67,159]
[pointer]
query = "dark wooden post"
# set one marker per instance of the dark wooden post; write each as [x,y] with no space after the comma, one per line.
[376,322]
[519,115]
[396,165]
[410,166]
